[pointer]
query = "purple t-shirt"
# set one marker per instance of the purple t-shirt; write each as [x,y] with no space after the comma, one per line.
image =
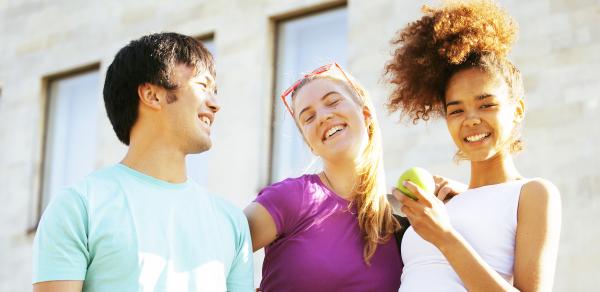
[319,245]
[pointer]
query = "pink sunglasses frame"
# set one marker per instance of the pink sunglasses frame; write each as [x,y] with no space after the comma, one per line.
[315,72]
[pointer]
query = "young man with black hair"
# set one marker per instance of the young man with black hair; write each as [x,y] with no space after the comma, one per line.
[142,225]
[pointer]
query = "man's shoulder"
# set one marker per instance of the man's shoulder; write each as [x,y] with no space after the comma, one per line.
[224,208]
[223,204]
[101,180]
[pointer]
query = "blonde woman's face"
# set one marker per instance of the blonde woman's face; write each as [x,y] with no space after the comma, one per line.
[332,123]
[480,114]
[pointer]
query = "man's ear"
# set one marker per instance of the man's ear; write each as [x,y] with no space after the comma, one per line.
[519,110]
[149,95]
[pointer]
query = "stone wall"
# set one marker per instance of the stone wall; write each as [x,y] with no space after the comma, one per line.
[558,53]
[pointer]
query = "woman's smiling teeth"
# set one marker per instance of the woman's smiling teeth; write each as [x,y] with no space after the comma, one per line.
[334,130]
[476,138]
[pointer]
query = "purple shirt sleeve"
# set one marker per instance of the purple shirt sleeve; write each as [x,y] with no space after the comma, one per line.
[284,201]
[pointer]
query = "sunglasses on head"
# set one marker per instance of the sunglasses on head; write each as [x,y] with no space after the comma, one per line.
[320,70]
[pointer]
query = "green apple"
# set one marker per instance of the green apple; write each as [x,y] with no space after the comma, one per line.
[419,176]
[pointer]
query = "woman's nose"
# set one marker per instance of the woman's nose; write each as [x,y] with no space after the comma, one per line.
[472,120]
[325,115]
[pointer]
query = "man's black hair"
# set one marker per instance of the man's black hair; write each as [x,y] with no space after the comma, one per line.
[149,59]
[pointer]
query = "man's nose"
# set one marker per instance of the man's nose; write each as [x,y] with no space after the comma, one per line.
[212,103]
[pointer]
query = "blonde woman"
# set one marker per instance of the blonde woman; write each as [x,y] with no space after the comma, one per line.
[334,230]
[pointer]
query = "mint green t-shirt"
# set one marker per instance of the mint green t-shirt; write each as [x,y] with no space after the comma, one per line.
[122,230]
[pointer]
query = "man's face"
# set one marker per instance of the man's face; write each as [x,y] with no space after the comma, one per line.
[190,109]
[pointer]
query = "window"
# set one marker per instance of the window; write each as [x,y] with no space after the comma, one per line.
[70,144]
[303,44]
[197,164]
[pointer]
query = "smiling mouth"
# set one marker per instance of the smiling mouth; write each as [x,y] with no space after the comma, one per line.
[477,137]
[205,120]
[333,132]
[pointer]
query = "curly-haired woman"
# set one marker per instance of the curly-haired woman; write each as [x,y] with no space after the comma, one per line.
[502,234]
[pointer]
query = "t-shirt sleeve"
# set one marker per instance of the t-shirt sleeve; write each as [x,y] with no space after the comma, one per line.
[241,276]
[60,245]
[284,202]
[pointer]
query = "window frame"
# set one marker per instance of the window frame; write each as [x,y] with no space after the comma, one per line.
[46,81]
[277,22]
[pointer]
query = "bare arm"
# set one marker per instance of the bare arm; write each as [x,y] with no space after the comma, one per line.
[538,232]
[429,219]
[58,286]
[536,240]
[475,273]
[262,226]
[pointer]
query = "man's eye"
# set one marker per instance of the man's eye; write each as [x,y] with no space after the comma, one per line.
[308,119]
[488,105]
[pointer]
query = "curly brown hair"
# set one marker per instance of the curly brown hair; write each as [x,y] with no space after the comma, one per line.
[456,36]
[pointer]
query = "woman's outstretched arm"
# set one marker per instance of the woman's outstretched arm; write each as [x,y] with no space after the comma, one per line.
[262,226]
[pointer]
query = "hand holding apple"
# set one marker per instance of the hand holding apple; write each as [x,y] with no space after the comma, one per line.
[419,176]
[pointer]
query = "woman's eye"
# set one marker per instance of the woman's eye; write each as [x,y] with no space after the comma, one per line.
[488,105]
[335,102]
[455,112]
[309,119]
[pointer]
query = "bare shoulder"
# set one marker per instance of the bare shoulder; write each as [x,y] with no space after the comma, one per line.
[539,193]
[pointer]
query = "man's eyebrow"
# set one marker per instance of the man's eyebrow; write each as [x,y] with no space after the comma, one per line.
[322,98]
[208,80]
[212,83]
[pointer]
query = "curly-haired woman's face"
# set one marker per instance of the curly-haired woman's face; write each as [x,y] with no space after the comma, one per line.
[480,113]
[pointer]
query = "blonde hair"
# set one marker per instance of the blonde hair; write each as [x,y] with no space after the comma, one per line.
[375,218]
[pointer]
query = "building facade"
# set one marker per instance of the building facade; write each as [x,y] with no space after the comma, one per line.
[54,130]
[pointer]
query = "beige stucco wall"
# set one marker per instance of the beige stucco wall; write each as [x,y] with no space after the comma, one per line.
[558,53]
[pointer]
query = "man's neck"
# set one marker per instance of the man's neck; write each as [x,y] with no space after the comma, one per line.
[157,160]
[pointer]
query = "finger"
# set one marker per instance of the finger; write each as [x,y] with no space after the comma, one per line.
[408,213]
[408,201]
[445,193]
[456,186]
[439,186]
[397,194]
[421,195]
[439,179]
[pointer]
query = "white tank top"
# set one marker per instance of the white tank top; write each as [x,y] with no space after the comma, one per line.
[487,218]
